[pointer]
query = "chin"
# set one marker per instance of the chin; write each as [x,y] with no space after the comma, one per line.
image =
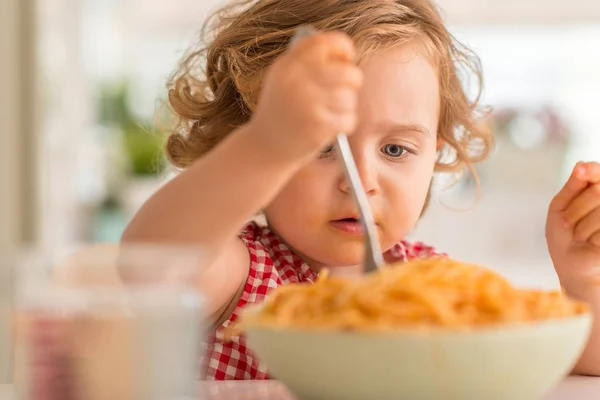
[342,256]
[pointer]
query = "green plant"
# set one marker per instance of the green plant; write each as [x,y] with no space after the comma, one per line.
[141,144]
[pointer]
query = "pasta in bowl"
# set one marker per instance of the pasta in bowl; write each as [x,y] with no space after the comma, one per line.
[427,329]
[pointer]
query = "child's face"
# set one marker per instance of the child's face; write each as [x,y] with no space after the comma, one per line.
[395,148]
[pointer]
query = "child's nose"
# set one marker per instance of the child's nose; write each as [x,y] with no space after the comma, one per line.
[368,176]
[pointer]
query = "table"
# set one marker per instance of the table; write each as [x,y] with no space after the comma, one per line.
[574,387]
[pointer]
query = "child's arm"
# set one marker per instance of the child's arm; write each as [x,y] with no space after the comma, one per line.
[208,203]
[573,234]
[212,199]
[307,97]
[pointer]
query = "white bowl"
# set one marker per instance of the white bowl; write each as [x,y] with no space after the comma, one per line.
[508,363]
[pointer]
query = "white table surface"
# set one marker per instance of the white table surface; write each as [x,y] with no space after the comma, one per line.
[572,388]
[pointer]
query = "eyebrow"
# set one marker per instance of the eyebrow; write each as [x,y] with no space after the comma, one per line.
[407,127]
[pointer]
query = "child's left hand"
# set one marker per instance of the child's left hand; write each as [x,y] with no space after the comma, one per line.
[573,230]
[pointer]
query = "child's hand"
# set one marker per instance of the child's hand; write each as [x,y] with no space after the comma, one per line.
[573,230]
[309,95]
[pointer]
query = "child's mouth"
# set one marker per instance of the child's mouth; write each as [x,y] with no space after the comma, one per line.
[348,225]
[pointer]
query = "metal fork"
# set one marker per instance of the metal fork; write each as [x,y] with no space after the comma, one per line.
[373,257]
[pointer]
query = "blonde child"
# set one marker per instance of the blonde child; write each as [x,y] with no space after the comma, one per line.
[255,132]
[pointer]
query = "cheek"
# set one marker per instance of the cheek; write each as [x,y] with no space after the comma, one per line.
[421,182]
[406,198]
[407,187]
[302,202]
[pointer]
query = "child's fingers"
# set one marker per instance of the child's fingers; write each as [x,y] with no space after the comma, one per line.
[343,122]
[590,172]
[336,75]
[343,101]
[582,205]
[588,226]
[582,175]
[326,47]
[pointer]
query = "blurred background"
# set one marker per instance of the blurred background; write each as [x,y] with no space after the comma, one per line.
[83,82]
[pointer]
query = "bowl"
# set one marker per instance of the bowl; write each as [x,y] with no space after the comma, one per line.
[511,362]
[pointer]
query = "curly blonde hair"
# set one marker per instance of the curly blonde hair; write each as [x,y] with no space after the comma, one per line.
[216,87]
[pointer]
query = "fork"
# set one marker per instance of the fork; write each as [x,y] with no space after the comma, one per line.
[373,258]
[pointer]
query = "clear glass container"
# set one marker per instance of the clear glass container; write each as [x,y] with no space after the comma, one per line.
[110,322]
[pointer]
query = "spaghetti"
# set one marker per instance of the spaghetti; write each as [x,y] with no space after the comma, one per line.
[435,292]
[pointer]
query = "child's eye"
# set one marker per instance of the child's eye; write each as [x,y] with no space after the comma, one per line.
[327,151]
[393,150]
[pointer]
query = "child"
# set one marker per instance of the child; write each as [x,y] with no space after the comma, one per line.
[255,133]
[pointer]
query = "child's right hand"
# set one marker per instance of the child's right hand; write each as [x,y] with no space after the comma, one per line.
[308,96]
